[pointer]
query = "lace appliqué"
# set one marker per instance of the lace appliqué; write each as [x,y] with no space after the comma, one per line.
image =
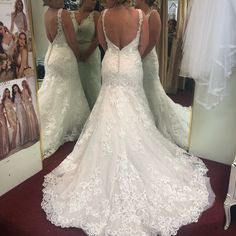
[63,112]
[123,178]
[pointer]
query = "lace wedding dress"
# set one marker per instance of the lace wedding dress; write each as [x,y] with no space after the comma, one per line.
[123,178]
[62,103]
[172,119]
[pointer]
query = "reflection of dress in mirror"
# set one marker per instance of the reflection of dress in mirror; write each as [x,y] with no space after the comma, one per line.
[4,134]
[123,178]
[63,107]
[33,125]
[21,55]
[18,17]
[11,116]
[20,114]
[85,21]
[172,119]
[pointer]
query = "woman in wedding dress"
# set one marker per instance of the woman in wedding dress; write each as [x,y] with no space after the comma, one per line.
[85,23]
[123,178]
[62,103]
[172,119]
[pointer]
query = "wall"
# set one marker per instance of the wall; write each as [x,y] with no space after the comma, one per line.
[19,167]
[41,42]
[213,134]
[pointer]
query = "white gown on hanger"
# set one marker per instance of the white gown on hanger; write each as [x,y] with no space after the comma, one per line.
[123,178]
[209,49]
[172,119]
[62,103]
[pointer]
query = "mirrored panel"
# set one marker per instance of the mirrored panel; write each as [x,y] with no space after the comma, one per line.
[183,90]
[175,92]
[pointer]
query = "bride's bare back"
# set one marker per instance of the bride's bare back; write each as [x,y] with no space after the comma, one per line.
[51,26]
[121,25]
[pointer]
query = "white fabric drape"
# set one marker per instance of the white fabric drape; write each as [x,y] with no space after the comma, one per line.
[209,51]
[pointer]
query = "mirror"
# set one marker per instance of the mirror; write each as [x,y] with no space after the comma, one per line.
[180,89]
[170,87]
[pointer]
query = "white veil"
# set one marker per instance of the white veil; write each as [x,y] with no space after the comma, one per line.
[209,51]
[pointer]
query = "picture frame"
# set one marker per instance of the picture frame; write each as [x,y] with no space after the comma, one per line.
[19,116]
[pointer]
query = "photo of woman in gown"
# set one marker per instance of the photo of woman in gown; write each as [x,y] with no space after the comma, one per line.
[6,69]
[20,114]
[18,17]
[63,107]
[21,56]
[33,126]
[4,134]
[7,41]
[7,47]
[172,119]
[123,178]
[2,53]
[85,23]
[10,115]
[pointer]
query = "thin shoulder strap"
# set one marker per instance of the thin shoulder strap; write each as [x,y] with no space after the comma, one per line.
[103,25]
[59,21]
[149,14]
[91,14]
[140,14]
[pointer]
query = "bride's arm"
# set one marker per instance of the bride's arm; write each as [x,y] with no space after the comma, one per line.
[100,32]
[144,36]
[154,24]
[69,31]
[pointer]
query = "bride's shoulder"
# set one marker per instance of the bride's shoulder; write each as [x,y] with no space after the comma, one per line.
[136,11]
[133,10]
[103,11]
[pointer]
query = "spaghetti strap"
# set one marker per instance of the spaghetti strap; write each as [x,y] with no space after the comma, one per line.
[103,25]
[140,14]
[59,21]
[108,41]
[149,14]
[59,31]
